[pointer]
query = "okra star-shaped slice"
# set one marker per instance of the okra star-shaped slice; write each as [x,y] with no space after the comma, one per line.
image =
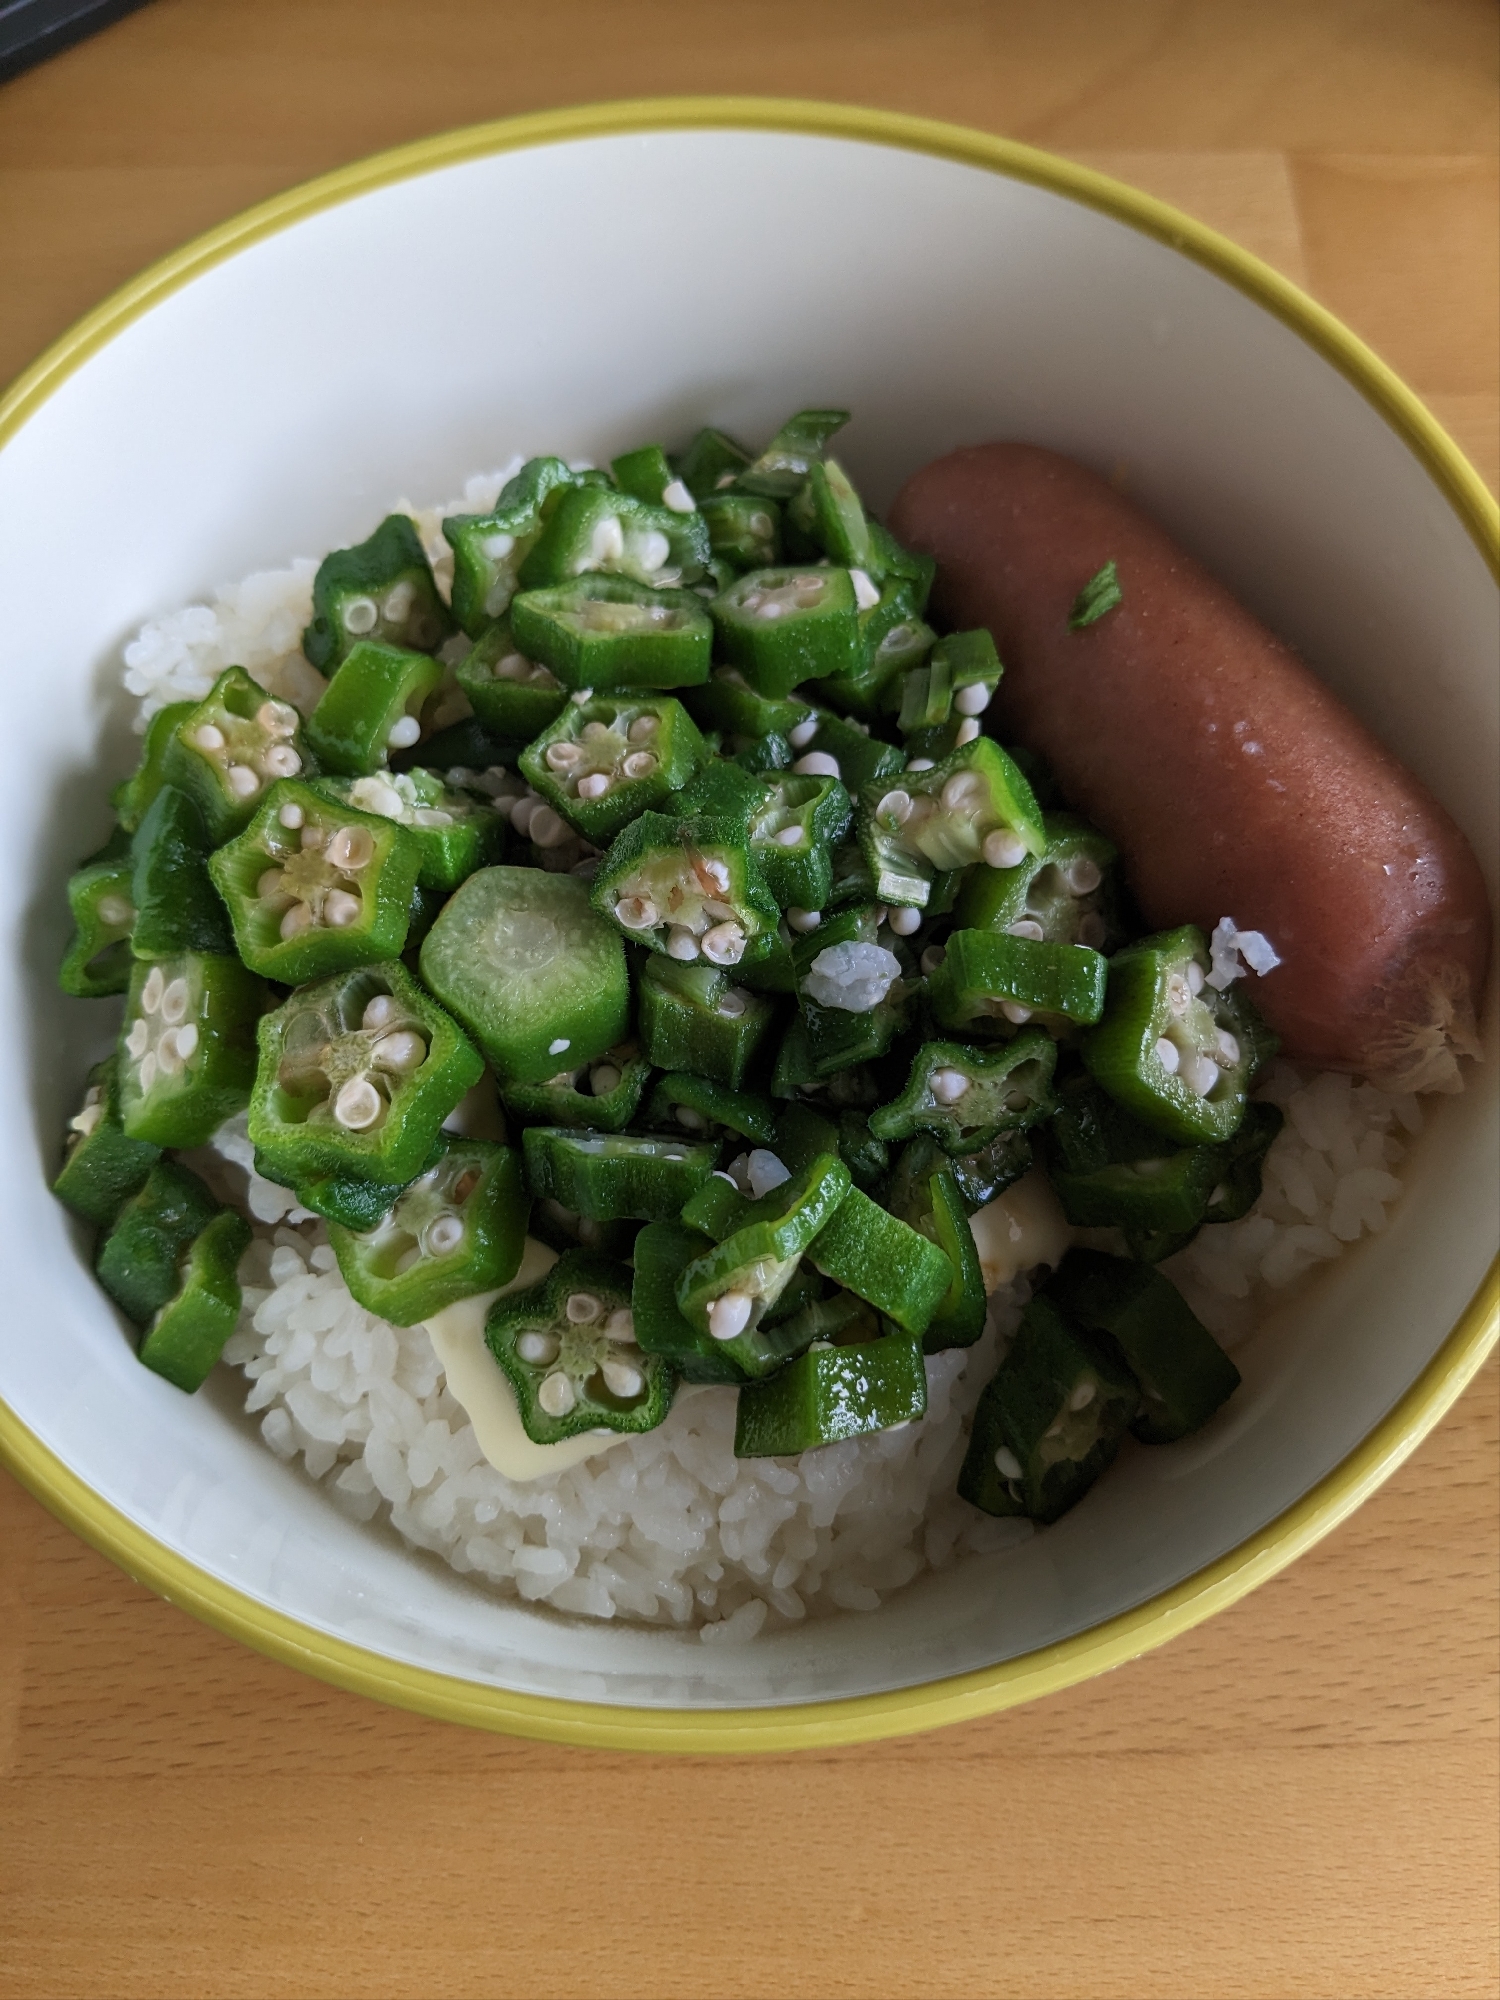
[599,1096]
[315,886]
[372,708]
[381,589]
[781,627]
[965,1097]
[596,528]
[690,888]
[606,759]
[512,696]
[996,984]
[611,631]
[186,1057]
[356,1075]
[1065,895]
[228,750]
[974,806]
[728,1290]
[488,549]
[455,831]
[793,834]
[568,1346]
[98,959]
[691,1017]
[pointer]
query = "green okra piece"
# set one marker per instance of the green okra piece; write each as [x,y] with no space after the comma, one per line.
[131,797]
[829,1393]
[602,1095]
[98,959]
[862,757]
[661,1251]
[597,530]
[958,682]
[231,748]
[512,696]
[139,1260]
[456,832]
[372,708]
[102,1167]
[695,1018]
[488,549]
[783,626]
[802,1132]
[744,530]
[608,758]
[186,1058]
[711,463]
[381,590]
[356,1075]
[965,1096]
[892,638]
[177,907]
[793,834]
[314,885]
[689,888]
[782,468]
[996,982]
[698,1106]
[936,1209]
[1100,595]
[614,1176]
[612,631]
[645,474]
[973,808]
[980,1176]
[828,512]
[185,1338]
[568,1346]
[458,1229]
[348,1199]
[728,1290]
[1066,895]
[882,1259]
[727,702]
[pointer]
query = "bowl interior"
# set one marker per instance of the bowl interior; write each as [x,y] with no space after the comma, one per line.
[579,297]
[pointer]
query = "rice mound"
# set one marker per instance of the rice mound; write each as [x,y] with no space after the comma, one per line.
[668,1527]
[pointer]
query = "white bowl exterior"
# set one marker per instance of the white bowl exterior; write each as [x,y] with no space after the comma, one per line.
[579,297]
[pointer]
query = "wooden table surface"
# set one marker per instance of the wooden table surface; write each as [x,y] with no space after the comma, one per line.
[1296,1799]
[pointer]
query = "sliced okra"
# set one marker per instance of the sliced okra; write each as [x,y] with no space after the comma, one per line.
[761,754]
[602,1095]
[372,708]
[793,834]
[935,1209]
[966,1096]
[102,1167]
[139,1260]
[1049,1422]
[458,1229]
[903,565]
[186,1058]
[703,1109]
[131,797]
[950,692]
[381,590]
[997,982]
[348,1199]
[1242,1161]
[693,1017]
[832,1392]
[563,1229]
[569,1348]
[467,745]
[744,530]
[177,907]
[98,959]
[488,549]
[892,638]
[973,806]
[606,759]
[979,1176]
[728,1290]
[775,972]
[612,631]
[796,1074]
[688,888]
[356,1075]
[1174,1051]
[645,474]
[829,514]
[316,886]
[727,702]
[231,748]
[455,831]
[724,788]
[1065,895]
[782,468]
[781,627]
[831,746]
[515,697]
[599,529]
[875,1255]
[614,1176]
[802,1132]
[660,1252]
[184,1339]
[711,463]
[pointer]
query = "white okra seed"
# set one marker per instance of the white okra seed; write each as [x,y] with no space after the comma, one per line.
[351,848]
[147,1071]
[803,920]
[948,1085]
[621,1324]
[1004,849]
[357,1105]
[340,909]
[557,1395]
[905,922]
[444,1236]
[208,736]
[816,764]
[604,1078]
[968,731]
[243,782]
[1007,1464]
[973,700]
[894,808]
[547,829]
[788,836]
[866,596]
[583,1308]
[594,786]
[138,1040]
[563,756]
[729,1315]
[403,733]
[559,1046]
[1082,1396]
[187,1040]
[299,918]
[621,1379]
[1026,927]
[379,1012]
[1200,1074]
[733,1004]
[802,733]
[401,1052]
[639,764]
[291,817]
[1015,1012]
[724,944]
[174,1002]
[540,1349]
[636,913]
[643,728]
[1082,875]
[1168,1055]
[280,761]
[681,944]
[153,989]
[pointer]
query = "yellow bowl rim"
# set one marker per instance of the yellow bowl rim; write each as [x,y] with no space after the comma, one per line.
[1047,1670]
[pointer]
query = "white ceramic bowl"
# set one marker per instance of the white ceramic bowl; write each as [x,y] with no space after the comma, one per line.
[575,283]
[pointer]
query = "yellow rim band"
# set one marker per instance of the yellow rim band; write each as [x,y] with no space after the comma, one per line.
[867,1717]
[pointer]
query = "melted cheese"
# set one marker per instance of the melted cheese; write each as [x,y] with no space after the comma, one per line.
[477,1380]
[1023,1227]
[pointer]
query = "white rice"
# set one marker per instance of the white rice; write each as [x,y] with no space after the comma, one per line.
[669,1527]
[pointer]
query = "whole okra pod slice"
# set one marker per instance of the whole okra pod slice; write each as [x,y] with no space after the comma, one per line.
[612,631]
[793,834]
[455,831]
[803,1132]
[782,468]
[231,748]
[601,1096]
[372,708]
[185,1338]
[830,1393]
[786,625]
[979,1176]
[1178,1054]
[935,1209]
[608,758]
[614,1176]
[729,1289]
[880,1258]
[315,886]
[139,1260]
[1184,1374]
[694,1018]
[974,806]
[997,982]
[98,959]
[646,475]
[829,518]
[892,638]
[514,697]
[488,549]
[966,1096]
[186,1058]
[458,1229]
[569,1348]
[956,685]
[599,529]
[711,463]
[1065,895]
[132,795]
[1049,1422]
[705,1109]
[688,888]
[661,1251]
[177,907]
[356,1075]
[381,589]
[102,1168]
[831,746]
[744,530]
[727,702]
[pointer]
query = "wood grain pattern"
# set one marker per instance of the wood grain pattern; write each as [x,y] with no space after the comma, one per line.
[1298,1798]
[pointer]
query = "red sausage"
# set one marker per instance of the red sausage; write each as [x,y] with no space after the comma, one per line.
[1233,781]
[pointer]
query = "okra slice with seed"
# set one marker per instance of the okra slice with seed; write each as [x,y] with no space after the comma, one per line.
[793,834]
[645,474]
[694,1017]
[515,697]
[597,529]
[569,1348]
[728,1290]
[131,797]
[744,530]
[688,888]
[602,1095]
[315,886]
[980,1176]
[231,748]
[974,806]
[186,1058]
[832,1392]
[177,907]
[1242,1160]
[455,831]
[614,1176]
[348,1199]
[782,468]
[611,631]
[996,983]
[606,759]
[707,1110]
[98,959]
[966,1096]
[882,1259]
[186,1336]
[102,1168]
[727,702]
[458,1229]
[372,708]
[1065,895]
[710,463]
[903,565]
[356,1075]
[1184,1374]
[803,1132]
[781,627]
[827,512]
[892,638]
[1109,1170]
[832,746]
[382,590]
[935,1209]
[660,1252]
[488,549]
[940,703]
[139,1260]
[1174,1051]
[536,975]
[1059,1407]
